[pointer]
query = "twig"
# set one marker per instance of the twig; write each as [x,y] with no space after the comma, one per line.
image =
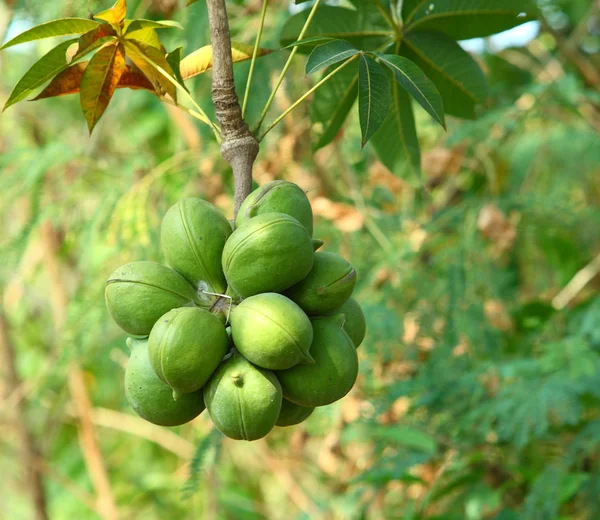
[254,55]
[239,146]
[577,284]
[29,453]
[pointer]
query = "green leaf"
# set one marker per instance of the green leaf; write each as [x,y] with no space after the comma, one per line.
[313,41]
[373,96]
[337,23]
[42,71]
[60,27]
[116,14]
[455,73]
[412,78]
[100,80]
[396,144]
[174,60]
[137,25]
[464,19]
[329,54]
[332,104]
[190,2]
[147,36]
[147,59]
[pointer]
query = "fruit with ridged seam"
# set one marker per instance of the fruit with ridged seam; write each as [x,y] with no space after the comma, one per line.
[354,323]
[292,414]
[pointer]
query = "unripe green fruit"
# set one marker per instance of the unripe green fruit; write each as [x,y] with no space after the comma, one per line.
[292,414]
[327,287]
[271,331]
[139,293]
[334,371]
[243,400]
[186,346]
[150,397]
[277,197]
[193,235]
[354,324]
[269,253]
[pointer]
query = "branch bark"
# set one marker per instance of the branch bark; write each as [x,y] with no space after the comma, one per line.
[239,146]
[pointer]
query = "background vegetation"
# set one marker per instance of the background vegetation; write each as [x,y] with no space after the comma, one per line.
[479,390]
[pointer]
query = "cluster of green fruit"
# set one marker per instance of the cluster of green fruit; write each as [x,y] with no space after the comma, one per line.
[253,324]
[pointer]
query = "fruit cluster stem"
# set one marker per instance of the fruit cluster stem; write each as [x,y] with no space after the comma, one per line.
[239,146]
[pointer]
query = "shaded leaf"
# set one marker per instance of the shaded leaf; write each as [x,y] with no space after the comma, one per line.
[89,38]
[136,25]
[60,27]
[100,80]
[313,41]
[69,81]
[332,104]
[463,19]
[337,23]
[116,14]
[413,79]
[174,60]
[373,96]
[201,60]
[148,59]
[396,144]
[43,70]
[190,2]
[455,73]
[328,54]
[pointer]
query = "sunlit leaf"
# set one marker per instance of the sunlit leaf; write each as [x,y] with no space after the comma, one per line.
[147,59]
[89,38]
[116,14]
[328,54]
[412,78]
[201,60]
[100,80]
[69,81]
[43,70]
[137,25]
[373,96]
[60,27]
[190,2]
[147,36]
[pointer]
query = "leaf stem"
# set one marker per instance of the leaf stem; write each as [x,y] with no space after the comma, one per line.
[286,66]
[254,55]
[304,96]
[388,17]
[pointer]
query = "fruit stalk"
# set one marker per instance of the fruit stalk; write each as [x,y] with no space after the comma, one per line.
[239,146]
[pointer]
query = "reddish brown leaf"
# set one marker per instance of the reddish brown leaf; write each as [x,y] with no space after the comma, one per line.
[134,79]
[100,80]
[102,31]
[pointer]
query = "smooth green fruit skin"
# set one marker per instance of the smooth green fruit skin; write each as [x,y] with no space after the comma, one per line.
[243,400]
[271,331]
[292,414]
[193,235]
[139,293]
[150,397]
[269,253]
[186,346]
[327,287]
[278,197]
[334,371]
[355,324]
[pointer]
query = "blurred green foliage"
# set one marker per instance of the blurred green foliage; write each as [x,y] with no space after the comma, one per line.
[479,390]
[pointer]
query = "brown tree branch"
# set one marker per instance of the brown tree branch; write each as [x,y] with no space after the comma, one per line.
[239,146]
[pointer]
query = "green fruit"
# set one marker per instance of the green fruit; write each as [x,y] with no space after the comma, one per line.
[271,331]
[334,371]
[269,253]
[139,293]
[193,236]
[327,287]
[354,324]
[186,346]
[292,414]
[150,397]
[243,400]
[277,197]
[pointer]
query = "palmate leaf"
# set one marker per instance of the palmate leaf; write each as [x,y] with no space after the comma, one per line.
[200,60]
[328,54]
[62,27]
[419,86]
[337,23]
[332,104]
[147,36]
[373,96]
[42,71]
[174,60]
[100,80]
[463,19]
[396,144]
[313,41]
[89,38]
[455,73]
[115,15]
[136,25]
[69,81]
